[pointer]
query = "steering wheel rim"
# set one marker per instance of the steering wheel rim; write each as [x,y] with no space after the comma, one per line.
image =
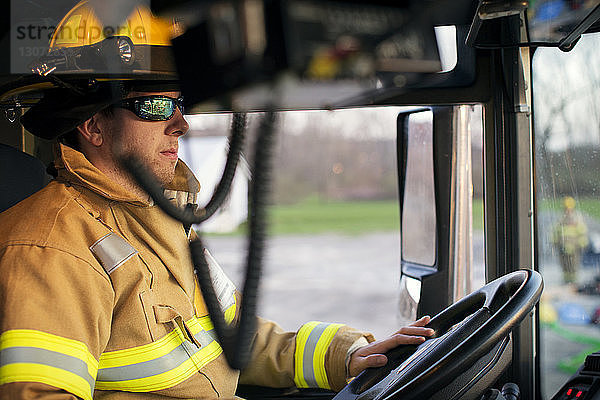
[465,331]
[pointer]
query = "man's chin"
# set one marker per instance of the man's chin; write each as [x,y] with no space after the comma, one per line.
[165,178]
[162,174]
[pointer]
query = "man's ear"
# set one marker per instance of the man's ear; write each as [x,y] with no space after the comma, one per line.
[91,131]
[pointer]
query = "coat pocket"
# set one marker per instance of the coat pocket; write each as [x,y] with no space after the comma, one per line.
[163,319]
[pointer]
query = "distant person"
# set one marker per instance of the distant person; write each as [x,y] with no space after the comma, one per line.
[570,238]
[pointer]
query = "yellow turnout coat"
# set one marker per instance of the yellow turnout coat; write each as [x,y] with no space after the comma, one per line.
[98,300]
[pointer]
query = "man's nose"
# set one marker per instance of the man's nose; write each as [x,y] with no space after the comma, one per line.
[179,125]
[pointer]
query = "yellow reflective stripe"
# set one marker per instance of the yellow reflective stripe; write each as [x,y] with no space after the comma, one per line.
[207,354]
[169,378]
[27,372]
[312,341]
[32,356]
[48,341]
[319,355]
[147,352]
[301,338]
[161,364]
[230,312]
[159,348]
[197,324]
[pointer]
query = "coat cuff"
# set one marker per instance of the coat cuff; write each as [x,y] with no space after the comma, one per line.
[335,358]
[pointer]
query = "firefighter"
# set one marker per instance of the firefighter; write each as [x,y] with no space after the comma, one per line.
[570,238]
[98,297]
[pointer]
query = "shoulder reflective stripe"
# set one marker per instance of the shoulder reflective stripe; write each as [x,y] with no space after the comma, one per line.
[158,365]
[28,355]
[112,251]
[224,288]
[312,341]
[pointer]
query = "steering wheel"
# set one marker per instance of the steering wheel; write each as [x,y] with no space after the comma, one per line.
[464,332]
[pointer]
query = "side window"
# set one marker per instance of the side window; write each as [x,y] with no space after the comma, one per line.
[567,128]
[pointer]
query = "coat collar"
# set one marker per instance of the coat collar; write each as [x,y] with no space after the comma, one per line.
[139,221]
[76,169]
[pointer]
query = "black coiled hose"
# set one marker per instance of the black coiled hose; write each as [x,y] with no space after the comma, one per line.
[238,127]
[236,342]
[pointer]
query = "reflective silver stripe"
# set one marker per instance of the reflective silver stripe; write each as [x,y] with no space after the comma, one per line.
[145,369]
[224,287]
[205,337]
[159,365]
[309,353]
[112,251]
[13,355]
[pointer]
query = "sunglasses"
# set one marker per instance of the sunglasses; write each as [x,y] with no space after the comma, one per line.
[152,108]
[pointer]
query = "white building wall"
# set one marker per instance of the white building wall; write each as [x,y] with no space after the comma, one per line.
[206,157]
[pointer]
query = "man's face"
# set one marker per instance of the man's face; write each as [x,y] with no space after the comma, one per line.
[155,143]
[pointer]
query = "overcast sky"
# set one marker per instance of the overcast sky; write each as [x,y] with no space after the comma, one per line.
[567,93]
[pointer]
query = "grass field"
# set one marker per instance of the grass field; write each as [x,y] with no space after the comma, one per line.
[356,217]
[352,218]
[313,216]
[349,217]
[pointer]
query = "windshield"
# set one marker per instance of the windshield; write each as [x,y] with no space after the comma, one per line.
[567,136]
[334,247]
[334,213]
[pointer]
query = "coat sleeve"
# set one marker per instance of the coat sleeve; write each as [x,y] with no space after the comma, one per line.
[314,356]
[55,316]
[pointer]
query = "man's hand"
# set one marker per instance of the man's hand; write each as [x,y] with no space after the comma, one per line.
[372,355]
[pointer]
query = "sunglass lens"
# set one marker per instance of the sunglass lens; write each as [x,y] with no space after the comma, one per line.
[156,109]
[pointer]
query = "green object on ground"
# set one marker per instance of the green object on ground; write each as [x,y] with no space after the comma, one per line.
[571,364]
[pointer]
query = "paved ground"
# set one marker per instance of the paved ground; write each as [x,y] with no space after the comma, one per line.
[334,278]
[350,279]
